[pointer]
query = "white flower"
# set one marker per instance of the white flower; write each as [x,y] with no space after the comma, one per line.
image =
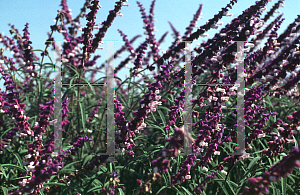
[217,153]
[210,98]
[220,90]
[144,125]
[215,99]
[245,155]
[89,131]
[224,172]
[158,97]
[204,35]
[188,177]
[30,167]
[205,169]
[12,120]
[153,109]
[54,154]
[71,55]
[263,9]
[119,14]
[96,115]
[298,128]
[249,44]
[280,128]
[225,99]
[261,135]
[202,143]
[53,122]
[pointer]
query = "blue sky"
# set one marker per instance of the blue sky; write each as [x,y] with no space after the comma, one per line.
[40,15]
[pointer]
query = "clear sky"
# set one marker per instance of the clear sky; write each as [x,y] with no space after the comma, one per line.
[41,13]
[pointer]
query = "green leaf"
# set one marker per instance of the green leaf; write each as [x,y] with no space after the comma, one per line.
[162,117]
[162,189]
[188,192]
[103,168]
[3,171]
[153,117]
[5,132]
[41,192]
[253,162]
[122,167]
[68,165]
[21,177]
[13,167]
[157,127]
[81,110]
[283,185]
[19,159]
[153,147]
[86,159]
[91,180]
[123,99]
[121,191]
[291,178]
[54,183]
[223,188]
[230,183]
[296,142]
[89,85]
[5,190]
[94,189]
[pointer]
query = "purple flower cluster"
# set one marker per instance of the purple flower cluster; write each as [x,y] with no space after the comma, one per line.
[281,169]
[65,111]
[94,112]
[214,55]
[89,29]
[184,171]
[10,105]
[149,26]
[106,24]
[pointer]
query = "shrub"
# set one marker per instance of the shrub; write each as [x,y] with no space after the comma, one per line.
[149,126]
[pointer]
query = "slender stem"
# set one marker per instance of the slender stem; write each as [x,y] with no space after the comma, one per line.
[72,137]
[100,132]
[78,98]
[39,101]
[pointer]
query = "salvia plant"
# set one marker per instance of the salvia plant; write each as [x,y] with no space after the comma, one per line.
[149,118]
